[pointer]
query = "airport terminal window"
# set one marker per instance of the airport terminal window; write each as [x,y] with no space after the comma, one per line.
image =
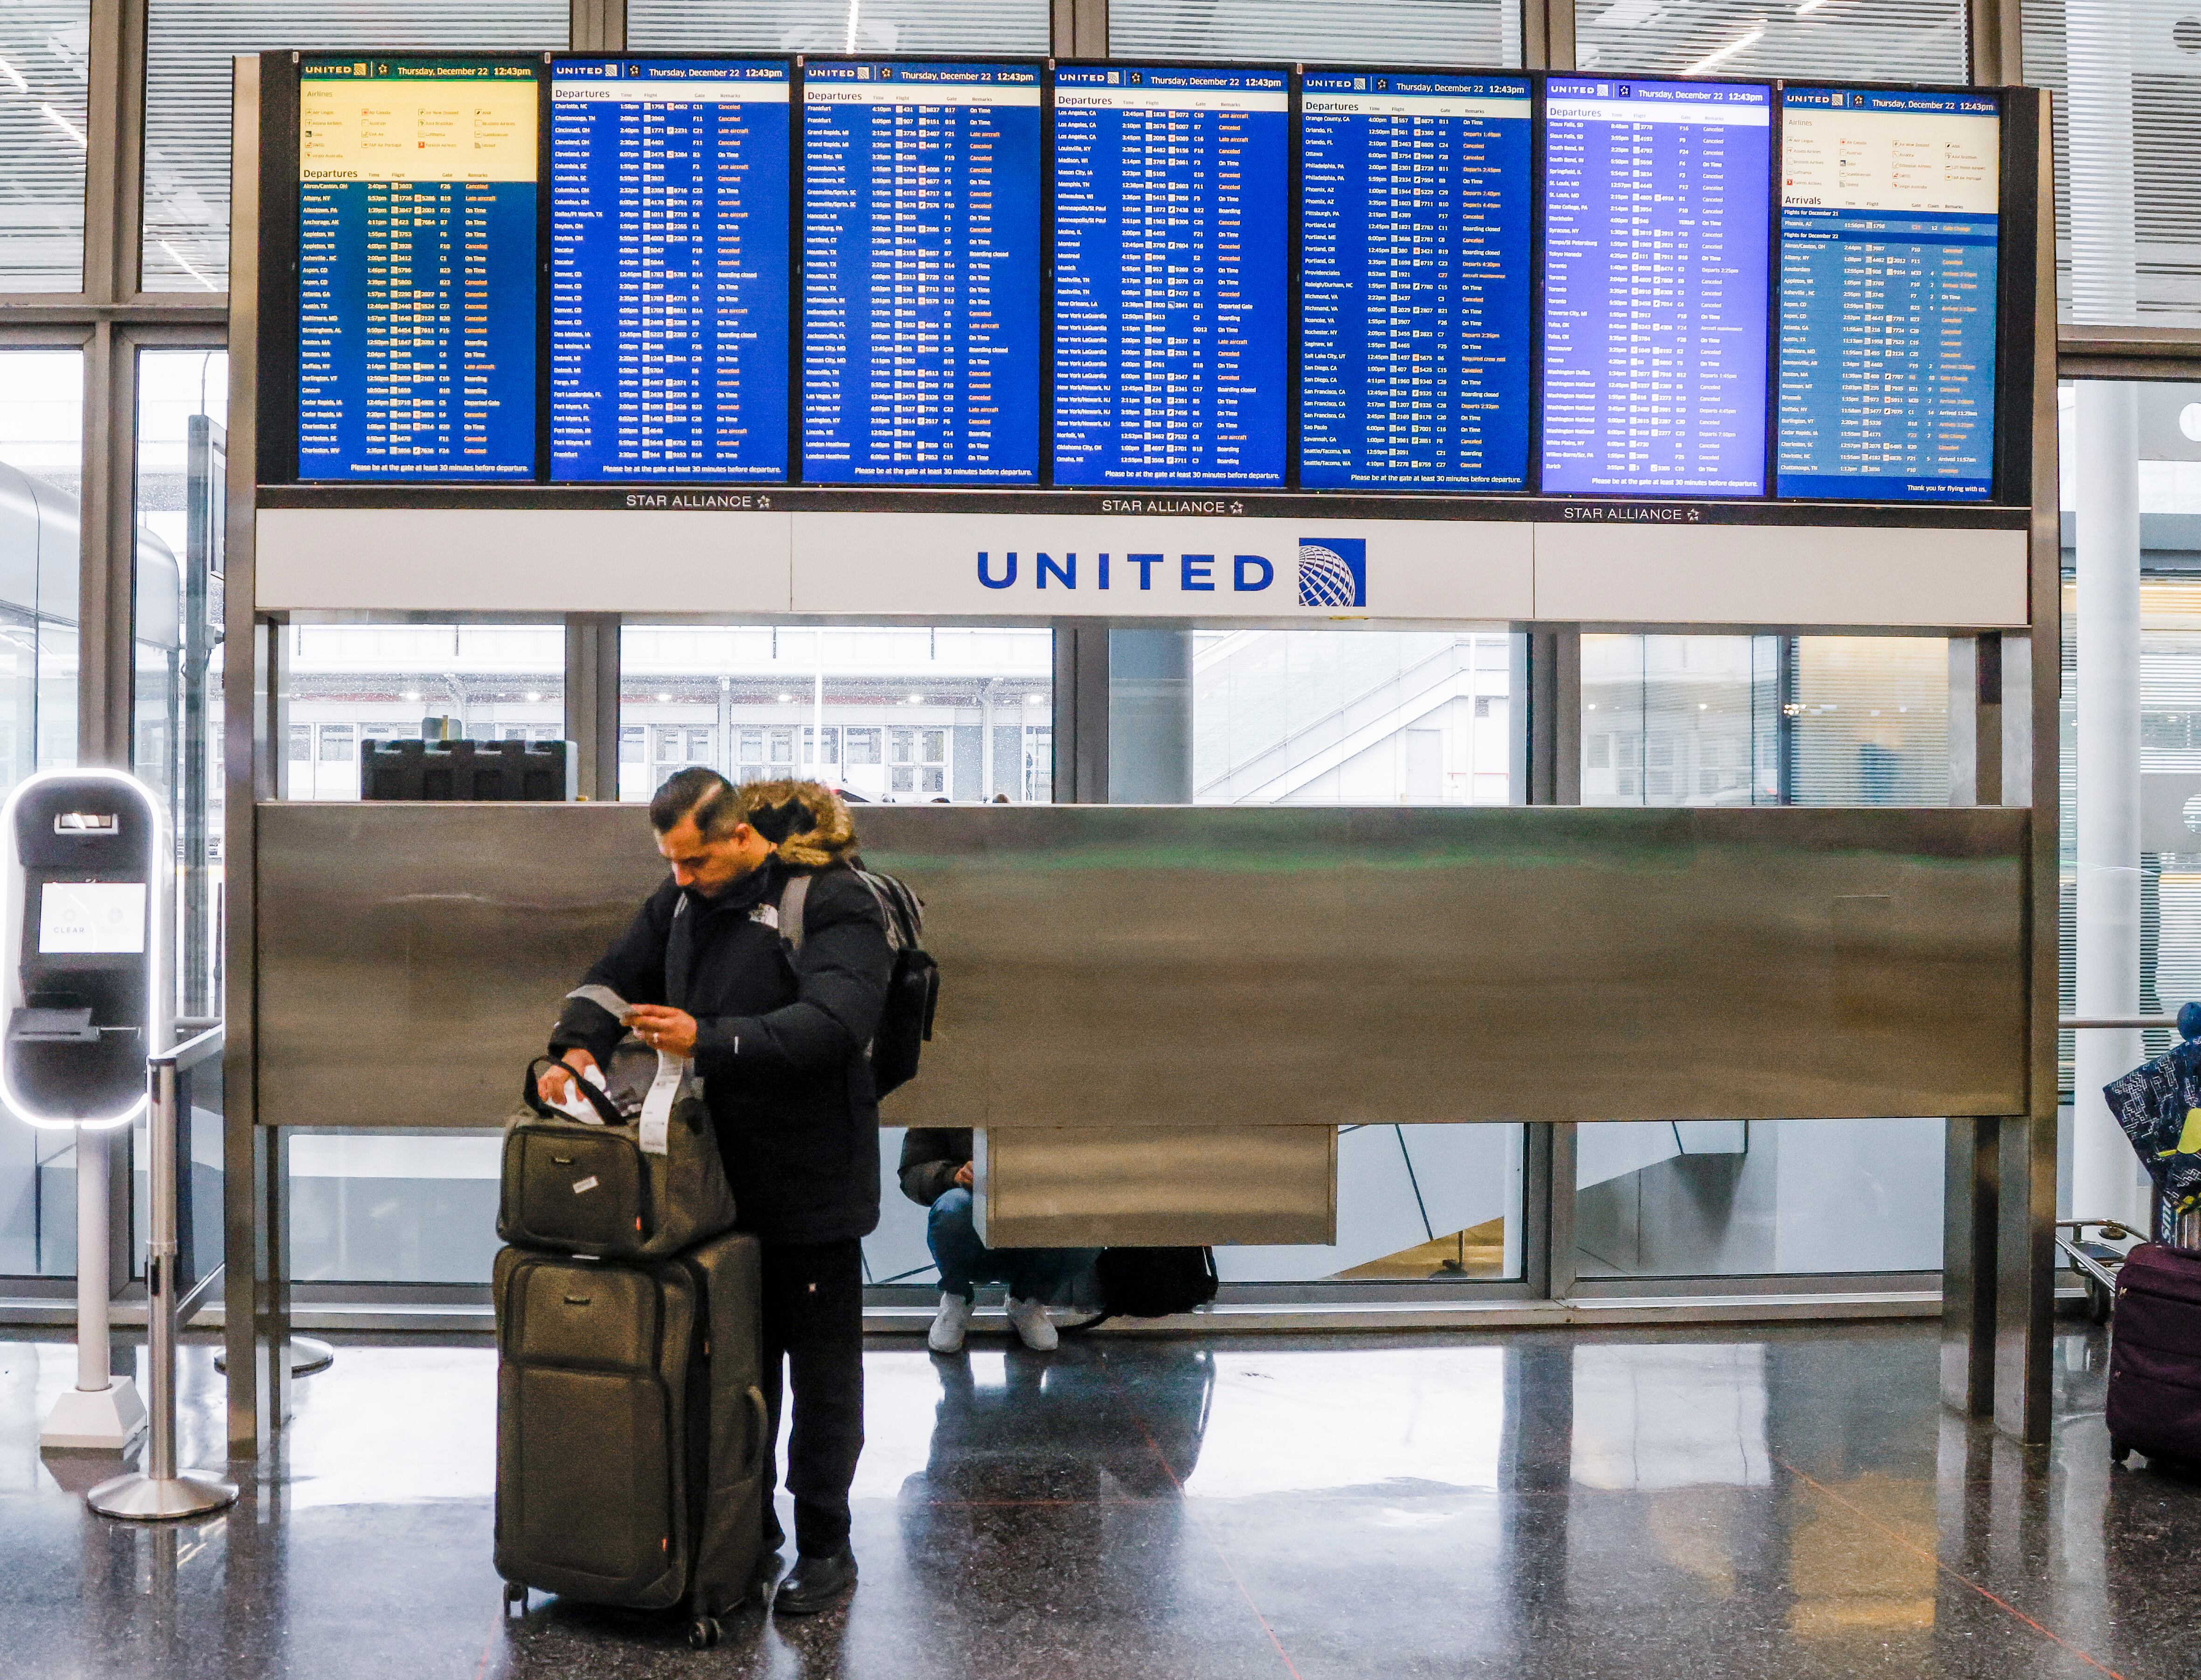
[1892,40]
[1736,1198]
[2124,113]
[352,682]
[41,470]
[1309,716]
[1481,32]
[393,1208]
[189,45]
[45,46]
[839,26]
[1415,1204]
[1671,720]
[1765,721]
[883,711]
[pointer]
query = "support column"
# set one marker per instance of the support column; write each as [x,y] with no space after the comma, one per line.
[1150,717]
[2104,1177]
[592,698]
[1968,1264]
[1548,682]
[1081,713]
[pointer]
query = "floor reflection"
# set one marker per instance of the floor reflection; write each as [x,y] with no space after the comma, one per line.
[1785,1501]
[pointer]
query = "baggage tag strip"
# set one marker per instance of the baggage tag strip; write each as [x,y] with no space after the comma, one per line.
[657,1106]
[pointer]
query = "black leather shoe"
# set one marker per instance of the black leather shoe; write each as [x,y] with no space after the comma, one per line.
[814,1583]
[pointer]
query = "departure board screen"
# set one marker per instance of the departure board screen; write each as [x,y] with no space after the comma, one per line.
[668,268]
[1889,220]
[416,268]
[1657,226]
[921,272]
[1171,246]
[1417,195]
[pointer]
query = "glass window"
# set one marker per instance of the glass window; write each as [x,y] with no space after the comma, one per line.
[1388,32]
[839,26]
[189,46]
[350,682]
[44,54]
[918,712]
[1761,720]
[41,467]
[393,1208]
[2126,104]
[1309,716]
[1415,1204]
[1729,1198]
[1891,40]
[182,408]
[1765,721]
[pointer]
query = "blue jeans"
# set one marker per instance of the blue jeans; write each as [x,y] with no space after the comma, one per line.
[1031,1274]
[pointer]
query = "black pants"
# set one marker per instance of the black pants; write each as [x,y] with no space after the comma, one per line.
[813,1320]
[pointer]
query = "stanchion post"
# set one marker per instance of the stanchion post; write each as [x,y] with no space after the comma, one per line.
[160,1491]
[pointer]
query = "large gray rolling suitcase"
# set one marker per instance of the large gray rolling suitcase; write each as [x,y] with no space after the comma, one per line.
[630,1429]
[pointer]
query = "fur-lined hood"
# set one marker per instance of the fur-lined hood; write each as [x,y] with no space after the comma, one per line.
[826,839]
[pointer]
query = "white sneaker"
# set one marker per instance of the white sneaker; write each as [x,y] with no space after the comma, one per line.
[1037,1330]
[946,1336]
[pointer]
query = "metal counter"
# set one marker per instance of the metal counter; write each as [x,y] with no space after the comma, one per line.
[1121,968]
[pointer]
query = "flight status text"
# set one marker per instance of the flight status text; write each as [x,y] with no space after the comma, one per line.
[921,268]
[1655,220]
[668,269]
[1889,219]
[416,269]
[1170,281]
[1416,193]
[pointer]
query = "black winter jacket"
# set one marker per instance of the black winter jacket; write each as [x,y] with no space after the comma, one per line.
[781,1052]
[930,1158]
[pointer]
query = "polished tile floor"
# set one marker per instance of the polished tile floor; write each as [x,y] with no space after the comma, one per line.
[1708,1503]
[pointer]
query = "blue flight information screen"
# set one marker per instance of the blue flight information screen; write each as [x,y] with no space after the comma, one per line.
[1890,215]
[1656,245]
[1417,195]
[416,268]
[1172,247]
[668,268]
[921,264]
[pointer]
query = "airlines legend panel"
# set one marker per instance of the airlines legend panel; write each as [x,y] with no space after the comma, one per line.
[416,268]
[1890,224]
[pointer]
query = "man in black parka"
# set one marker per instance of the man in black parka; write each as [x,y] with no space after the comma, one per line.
[781,1050]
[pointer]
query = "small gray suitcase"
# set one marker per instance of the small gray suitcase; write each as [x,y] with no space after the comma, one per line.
[630,1429]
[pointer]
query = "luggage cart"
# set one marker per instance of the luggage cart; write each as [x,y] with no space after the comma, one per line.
[2096,1262]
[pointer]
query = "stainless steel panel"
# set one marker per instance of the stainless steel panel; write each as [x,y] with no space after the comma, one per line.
[1080,1187]
[1133,968]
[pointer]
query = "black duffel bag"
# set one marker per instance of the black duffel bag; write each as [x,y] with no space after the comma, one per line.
[1151,1283]
[571,1187]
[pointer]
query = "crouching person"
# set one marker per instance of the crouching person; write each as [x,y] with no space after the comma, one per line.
[935,1173]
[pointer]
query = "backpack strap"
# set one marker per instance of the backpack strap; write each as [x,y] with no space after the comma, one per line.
[792,898]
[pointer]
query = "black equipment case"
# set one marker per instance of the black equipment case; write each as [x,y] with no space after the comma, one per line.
[631,1429]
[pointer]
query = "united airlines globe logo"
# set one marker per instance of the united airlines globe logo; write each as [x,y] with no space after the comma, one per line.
[1333,571]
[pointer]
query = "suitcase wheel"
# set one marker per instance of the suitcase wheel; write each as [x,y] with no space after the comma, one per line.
[2119,1451]
[515,1599]
[703,1632]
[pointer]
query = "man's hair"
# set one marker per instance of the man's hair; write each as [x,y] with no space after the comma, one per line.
[807,822]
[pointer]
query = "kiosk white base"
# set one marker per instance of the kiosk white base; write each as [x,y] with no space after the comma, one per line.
[96,1419]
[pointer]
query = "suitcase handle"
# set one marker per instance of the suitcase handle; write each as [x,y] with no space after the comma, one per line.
[761,1416]
[597,1100]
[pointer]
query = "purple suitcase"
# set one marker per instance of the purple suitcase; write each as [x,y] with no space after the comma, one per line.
[2155,1355]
